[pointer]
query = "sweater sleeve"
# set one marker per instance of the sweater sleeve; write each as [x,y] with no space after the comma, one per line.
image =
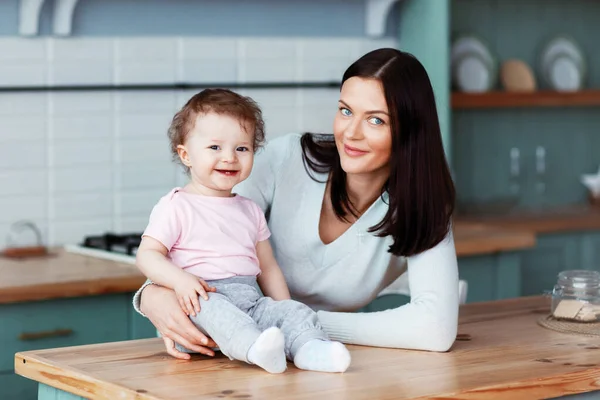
[428,322]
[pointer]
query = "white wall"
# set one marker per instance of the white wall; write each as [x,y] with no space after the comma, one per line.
[80,163]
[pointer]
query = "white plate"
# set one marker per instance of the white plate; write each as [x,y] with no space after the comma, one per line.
[472,74]
[558,60]
[564,74]
[473,66]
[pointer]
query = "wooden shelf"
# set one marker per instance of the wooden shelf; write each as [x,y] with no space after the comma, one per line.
[585,98]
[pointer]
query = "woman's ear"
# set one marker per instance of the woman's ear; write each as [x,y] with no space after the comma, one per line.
[183,155]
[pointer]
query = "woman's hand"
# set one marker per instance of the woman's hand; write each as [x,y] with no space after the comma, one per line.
[162,308]
[187,289]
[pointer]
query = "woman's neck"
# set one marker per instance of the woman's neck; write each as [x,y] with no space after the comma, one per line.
[364,189]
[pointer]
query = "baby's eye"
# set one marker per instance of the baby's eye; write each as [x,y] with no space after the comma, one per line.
[376,121]
[345,112]
[242,148]
[214,147]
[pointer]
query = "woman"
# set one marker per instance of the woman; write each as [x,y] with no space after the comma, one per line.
[348,213]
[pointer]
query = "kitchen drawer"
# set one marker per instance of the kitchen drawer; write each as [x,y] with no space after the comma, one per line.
[60,323]
[15,387]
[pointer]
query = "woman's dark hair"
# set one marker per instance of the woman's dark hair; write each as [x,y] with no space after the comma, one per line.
[420,189]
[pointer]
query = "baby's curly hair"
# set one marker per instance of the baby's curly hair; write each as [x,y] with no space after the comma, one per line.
[220,101]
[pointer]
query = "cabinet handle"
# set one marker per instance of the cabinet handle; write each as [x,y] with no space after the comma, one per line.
[28,336]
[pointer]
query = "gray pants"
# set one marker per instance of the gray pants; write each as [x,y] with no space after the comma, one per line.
[237,314]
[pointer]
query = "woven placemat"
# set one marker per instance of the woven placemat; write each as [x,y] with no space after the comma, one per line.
[580,328]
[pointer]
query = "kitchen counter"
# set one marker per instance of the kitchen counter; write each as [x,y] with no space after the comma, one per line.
[64,274]
[561,219]
[474,238]
[501,353]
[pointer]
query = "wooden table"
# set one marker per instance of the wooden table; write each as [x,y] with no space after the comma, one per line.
[64,274]
[501,353]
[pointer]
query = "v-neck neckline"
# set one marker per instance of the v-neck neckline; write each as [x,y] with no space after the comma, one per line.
[317,201]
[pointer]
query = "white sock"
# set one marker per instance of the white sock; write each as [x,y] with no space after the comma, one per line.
[323,356]
[268,351]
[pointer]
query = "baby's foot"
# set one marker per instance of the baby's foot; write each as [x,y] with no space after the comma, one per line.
[323,356]
[268,352]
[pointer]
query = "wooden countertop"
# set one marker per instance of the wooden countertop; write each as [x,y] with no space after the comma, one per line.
[64,275]
[472,238]
[563,219]
[501,353]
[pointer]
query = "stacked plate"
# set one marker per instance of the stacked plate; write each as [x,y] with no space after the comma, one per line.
[473,66]
[562,64]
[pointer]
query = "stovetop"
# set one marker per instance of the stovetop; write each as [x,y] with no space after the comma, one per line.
[122,244]
[110,246]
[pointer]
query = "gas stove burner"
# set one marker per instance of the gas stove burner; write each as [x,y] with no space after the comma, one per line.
[110,246]
[123,244]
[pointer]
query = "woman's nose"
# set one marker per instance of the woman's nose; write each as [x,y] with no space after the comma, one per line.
[353,130]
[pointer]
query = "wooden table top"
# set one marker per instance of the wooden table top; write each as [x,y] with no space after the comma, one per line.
[501,353]
[64,274]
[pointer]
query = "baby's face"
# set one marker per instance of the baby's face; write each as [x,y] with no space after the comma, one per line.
[219,152]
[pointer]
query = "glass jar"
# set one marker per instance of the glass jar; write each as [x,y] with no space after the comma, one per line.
[576,296]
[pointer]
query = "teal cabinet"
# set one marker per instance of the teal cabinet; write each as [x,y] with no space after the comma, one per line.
[552,254]
[15,387]
[59,323]
[590,251]
[491,277]
[140,327]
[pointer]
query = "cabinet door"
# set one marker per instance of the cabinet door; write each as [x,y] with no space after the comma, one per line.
[141,327]
[541,265]
[590,251]
[61,323]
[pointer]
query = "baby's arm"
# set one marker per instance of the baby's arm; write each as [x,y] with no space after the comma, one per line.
[271,279]
[152,260]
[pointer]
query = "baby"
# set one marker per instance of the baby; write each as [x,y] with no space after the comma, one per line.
[211,246]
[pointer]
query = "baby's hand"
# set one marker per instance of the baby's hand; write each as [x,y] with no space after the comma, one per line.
[188,289]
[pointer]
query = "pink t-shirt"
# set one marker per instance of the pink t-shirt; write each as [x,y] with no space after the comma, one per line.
[210,237]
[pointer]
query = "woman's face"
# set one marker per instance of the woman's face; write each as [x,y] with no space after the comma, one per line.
[362,127]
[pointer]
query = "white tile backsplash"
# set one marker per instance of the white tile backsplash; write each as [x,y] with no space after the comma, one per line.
[81,49]
[22,155]
[24,73]
[81,73]
[86,162]
[73,180]
[18,104]
[74,153]
[75,206]
[84,127]
[15,208]
[23,182]
[150,150]
[143,126]
[23,49]
[22,127]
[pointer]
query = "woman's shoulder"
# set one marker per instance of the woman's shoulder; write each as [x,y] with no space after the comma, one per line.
[282,146]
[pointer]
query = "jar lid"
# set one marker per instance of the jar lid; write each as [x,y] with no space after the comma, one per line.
[579,278]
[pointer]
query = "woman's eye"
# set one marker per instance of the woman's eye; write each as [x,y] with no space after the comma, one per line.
[242,148]
[345,112]
[376,121]
[214,147]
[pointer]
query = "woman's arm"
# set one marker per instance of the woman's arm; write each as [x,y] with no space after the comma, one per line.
[271,280]
[428,322]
